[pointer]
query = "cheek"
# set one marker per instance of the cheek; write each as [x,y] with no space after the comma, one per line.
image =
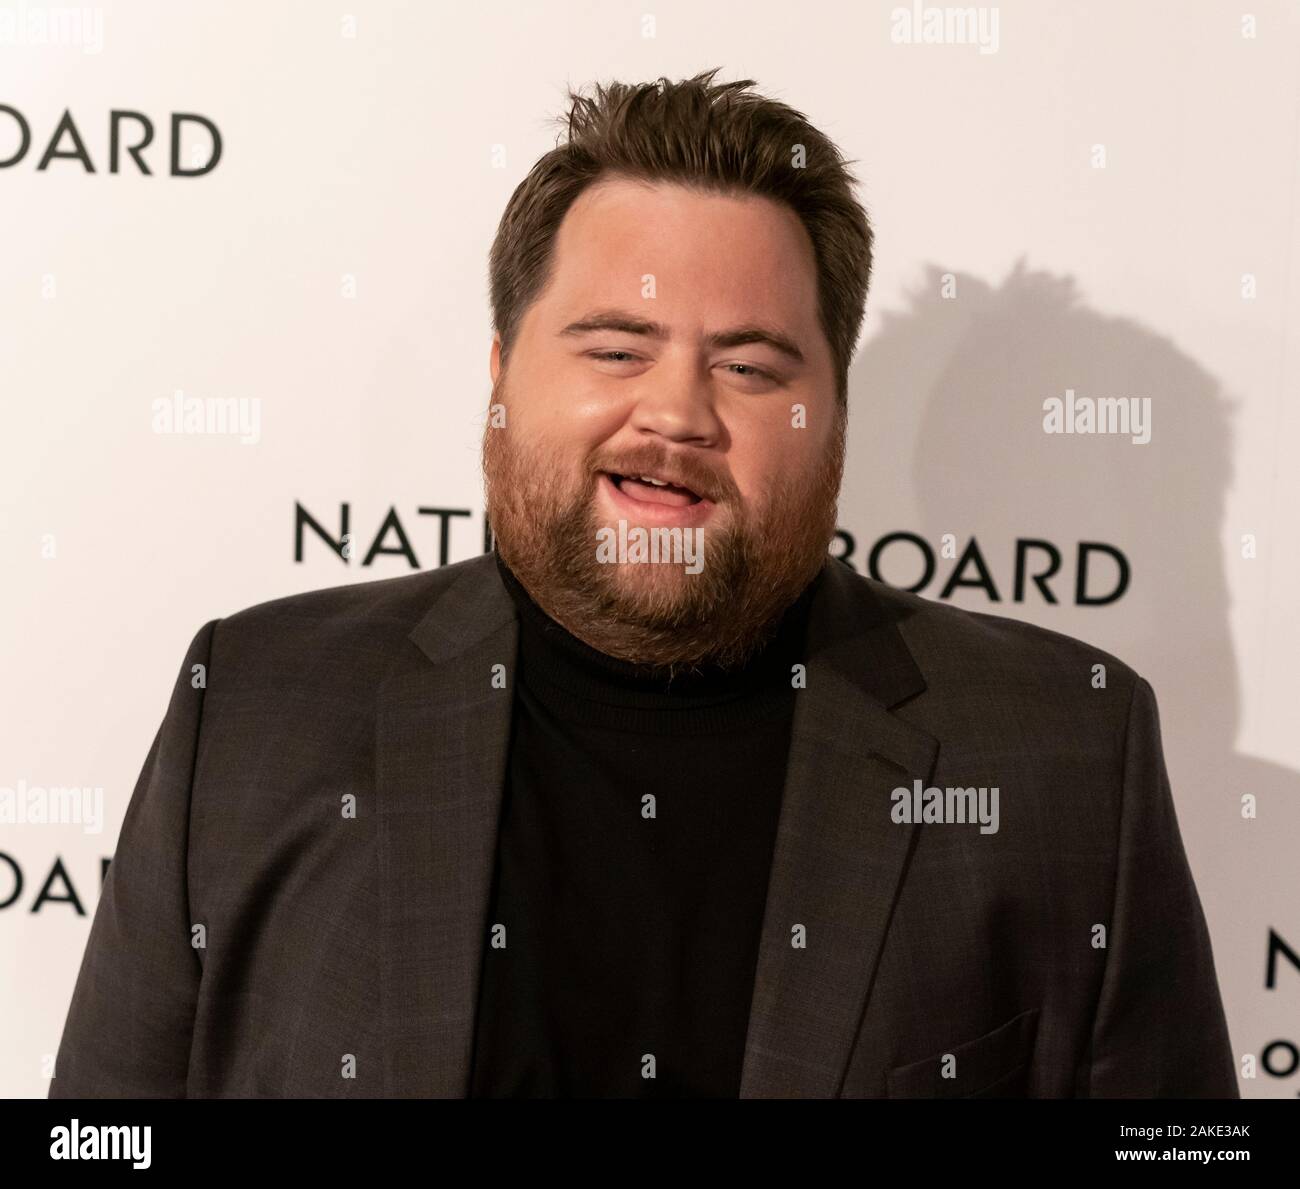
[757,460]
[571,398]
[580,422]
[561,421]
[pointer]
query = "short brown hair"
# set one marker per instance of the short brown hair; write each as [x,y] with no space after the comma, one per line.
[716,136]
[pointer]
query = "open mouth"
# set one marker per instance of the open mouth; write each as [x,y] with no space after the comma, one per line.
[650,490]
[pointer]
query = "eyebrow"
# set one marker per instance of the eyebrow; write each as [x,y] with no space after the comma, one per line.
[738,336]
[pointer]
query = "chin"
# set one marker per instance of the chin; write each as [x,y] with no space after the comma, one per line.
[654,591]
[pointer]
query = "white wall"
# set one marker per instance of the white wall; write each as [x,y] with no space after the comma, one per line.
[365,165]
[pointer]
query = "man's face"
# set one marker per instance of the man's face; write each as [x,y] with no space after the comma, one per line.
[677,339]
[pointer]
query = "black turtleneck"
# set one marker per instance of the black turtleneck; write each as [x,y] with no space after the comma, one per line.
[633,854]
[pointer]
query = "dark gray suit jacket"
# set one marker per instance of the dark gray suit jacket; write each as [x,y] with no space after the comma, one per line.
[255,938]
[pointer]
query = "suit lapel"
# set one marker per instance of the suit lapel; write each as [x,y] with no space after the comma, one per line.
[443,732]
[839,859]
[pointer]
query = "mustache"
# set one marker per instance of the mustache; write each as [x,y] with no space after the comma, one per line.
[683,471]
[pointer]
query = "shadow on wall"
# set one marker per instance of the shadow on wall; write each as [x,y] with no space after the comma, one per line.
[947,437]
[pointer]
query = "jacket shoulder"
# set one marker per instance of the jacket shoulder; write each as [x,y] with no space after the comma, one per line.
[955,646]
[364,624]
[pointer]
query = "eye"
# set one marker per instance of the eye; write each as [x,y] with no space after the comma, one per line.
[751,372]
[609,356]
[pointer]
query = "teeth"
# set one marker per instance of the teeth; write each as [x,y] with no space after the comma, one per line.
[647,479]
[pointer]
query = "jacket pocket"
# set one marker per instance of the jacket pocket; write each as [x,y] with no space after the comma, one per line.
[995,1065]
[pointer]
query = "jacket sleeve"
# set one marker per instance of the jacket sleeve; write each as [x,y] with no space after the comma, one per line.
[1159,1030]
[129,1026]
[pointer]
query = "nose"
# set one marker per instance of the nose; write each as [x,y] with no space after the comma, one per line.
[677,403]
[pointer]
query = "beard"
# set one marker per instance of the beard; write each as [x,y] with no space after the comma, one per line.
[756,561]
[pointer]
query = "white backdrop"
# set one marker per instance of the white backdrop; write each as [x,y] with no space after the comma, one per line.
[1104,201]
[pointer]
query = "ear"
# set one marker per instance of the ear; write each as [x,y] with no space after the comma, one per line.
[494,363]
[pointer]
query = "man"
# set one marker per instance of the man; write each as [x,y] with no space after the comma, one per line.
[656,799]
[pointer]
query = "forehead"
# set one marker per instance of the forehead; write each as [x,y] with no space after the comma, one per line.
[717,257]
